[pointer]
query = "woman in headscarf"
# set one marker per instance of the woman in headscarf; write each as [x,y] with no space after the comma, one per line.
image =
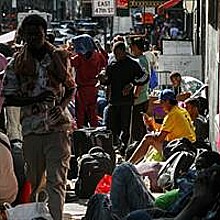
[88,61]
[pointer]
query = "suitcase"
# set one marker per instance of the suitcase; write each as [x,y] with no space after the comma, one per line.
[86,138]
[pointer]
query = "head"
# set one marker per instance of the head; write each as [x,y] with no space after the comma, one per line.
[119,50]
[84,44]
[33,30]
[192,106]
[167,99]
[207,159]
[137,46]
[175,78]
[117,38]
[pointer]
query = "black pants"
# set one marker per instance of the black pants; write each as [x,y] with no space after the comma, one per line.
[120,120]
[138,127]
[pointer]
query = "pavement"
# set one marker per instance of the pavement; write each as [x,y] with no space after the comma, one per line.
[75,210]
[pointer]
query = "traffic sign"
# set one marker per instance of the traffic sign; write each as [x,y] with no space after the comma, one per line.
[103,8]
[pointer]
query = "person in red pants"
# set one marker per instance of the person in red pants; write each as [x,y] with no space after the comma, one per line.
[88,61]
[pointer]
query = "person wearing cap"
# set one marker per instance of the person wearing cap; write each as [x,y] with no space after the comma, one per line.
[87,62]
[176,124]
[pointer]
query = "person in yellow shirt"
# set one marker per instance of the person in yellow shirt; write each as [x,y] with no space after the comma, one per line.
[176,124]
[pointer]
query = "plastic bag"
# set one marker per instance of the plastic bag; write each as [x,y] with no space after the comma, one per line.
[104,185]
[29,211]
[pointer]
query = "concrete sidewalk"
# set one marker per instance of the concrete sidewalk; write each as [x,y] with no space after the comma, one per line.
[75,210]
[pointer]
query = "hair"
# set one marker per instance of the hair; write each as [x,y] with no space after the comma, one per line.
[173,102]
[210,158]
[118,38]
[139,42]
[175,74]
[203,105]
[193,101]
[35,20]
[119,45]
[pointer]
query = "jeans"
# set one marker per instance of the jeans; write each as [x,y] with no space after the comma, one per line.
[128,192]
[138,215]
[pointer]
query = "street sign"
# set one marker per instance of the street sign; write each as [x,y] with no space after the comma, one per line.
[103,8]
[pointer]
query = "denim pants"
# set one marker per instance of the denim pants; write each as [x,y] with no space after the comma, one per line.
[128,192]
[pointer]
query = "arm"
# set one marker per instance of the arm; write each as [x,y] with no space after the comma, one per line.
[12,100]
[141,73]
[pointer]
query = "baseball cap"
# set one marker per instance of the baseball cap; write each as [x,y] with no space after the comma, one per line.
[166,94]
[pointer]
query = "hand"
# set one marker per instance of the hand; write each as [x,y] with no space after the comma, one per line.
[147,119]
[126,90]
[55,113]
[47,96]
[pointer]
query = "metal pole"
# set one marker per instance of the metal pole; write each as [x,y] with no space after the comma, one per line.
[198,28]
[105,31]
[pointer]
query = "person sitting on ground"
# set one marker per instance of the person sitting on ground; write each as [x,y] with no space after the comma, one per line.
[199,121]
[176,124]
[8,180]
[176,80]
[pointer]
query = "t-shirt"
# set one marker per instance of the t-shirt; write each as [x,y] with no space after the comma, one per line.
[144,93]
[178,124]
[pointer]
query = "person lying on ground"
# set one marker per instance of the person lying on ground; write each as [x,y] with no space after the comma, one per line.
[204,203]
[129,193]
[176,124]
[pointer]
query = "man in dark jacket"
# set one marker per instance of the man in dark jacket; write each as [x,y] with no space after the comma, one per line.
[122,75]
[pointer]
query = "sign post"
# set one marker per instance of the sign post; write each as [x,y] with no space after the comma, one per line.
[105,9]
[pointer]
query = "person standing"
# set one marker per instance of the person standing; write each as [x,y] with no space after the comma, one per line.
[141,93]
[38,79]
[120,77]
[87,62]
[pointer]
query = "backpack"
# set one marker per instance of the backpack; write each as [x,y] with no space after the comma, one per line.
[175,166]
[99,208]
[180,144]
[92,167]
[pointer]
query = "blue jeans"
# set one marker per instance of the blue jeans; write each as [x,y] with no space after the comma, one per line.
[128,192]
[138,215]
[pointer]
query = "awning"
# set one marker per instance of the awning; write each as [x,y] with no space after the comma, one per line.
[166,5]
[8,37]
